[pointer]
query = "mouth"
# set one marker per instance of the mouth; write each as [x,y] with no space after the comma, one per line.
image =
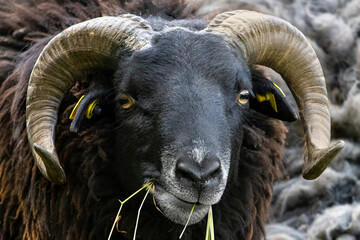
[178,210]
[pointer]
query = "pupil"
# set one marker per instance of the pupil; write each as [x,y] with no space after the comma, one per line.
[244,95]
[124,101]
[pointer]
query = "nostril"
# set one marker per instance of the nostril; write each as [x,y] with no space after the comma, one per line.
[191,172]
[211,168]
[188,170]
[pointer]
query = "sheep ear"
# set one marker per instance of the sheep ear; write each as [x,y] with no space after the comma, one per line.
[86,107]
[270,100]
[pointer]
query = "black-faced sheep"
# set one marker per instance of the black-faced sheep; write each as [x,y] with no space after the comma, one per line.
[179,103]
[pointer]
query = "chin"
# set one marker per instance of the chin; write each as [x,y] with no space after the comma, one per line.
[178,210]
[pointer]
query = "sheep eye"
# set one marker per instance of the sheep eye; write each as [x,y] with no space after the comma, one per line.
[243,97]
[127,101]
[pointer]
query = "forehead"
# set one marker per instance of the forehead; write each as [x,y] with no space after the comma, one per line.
[180,56]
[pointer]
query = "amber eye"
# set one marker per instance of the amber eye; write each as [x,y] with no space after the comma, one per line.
[243,97]
[127,101]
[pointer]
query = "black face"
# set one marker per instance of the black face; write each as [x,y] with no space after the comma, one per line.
[179,120]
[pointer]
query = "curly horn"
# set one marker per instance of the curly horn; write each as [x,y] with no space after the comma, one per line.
[275,43]
[93,44]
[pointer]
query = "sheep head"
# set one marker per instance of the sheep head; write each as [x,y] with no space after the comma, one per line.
[181,97]
[183,130]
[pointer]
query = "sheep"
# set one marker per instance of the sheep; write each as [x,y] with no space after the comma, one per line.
[184,107]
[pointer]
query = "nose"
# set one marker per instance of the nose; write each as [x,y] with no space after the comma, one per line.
[199,175]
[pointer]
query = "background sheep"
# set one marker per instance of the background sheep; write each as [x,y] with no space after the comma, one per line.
[78,228]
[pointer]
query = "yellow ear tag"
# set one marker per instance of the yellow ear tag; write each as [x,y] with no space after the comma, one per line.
[279,89]
[90,110]
[73,112]
[268,97]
